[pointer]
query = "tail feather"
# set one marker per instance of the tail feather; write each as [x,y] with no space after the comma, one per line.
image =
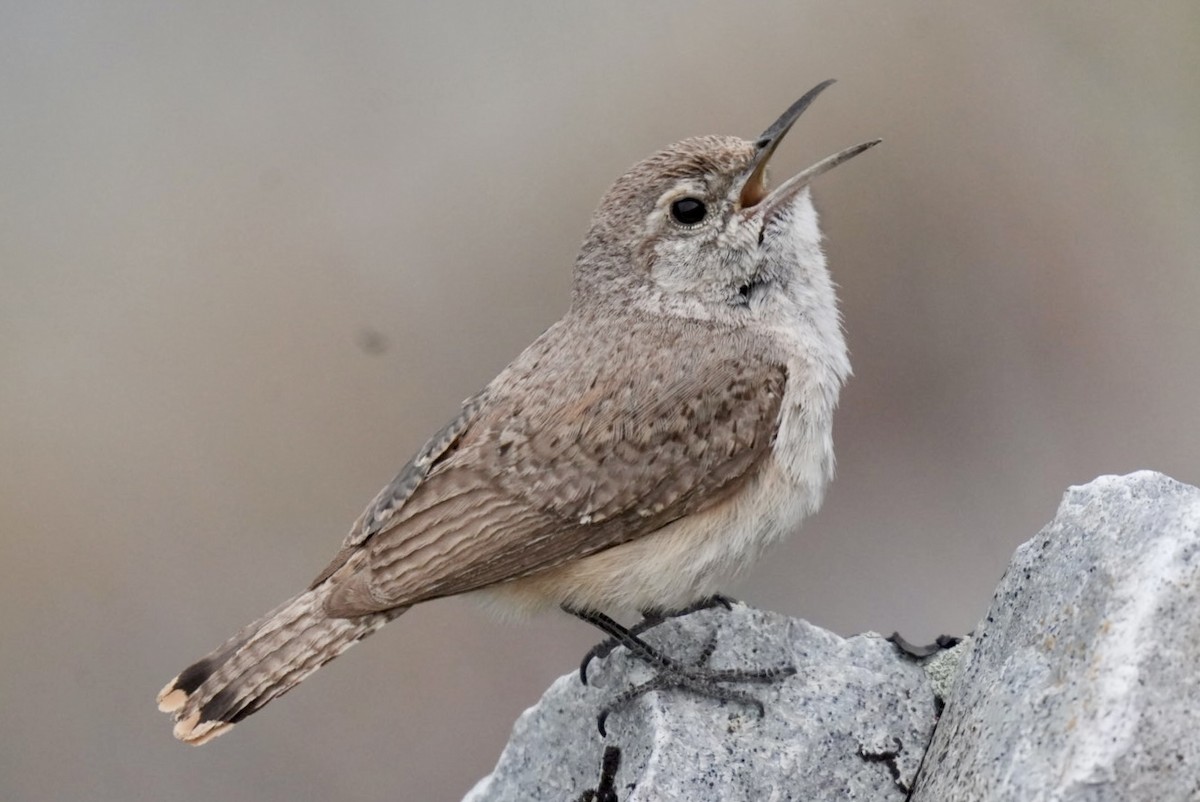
[261,662]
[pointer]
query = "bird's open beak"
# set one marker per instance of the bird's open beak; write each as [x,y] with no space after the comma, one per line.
[754,195]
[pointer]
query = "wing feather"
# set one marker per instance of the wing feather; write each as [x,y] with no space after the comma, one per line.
[570,451]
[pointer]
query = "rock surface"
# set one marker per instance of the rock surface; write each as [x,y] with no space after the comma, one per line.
[852,723]
[1084,679]
[1081,684]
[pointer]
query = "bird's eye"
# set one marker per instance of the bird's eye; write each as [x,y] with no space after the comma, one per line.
[688,211]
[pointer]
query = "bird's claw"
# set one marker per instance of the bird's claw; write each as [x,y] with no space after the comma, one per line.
[701,682]
[651,619]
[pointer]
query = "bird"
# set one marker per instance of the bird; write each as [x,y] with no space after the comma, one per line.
[640,452]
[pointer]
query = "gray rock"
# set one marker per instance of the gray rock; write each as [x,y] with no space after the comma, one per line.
[943,667]
[1082,683]
[851,724]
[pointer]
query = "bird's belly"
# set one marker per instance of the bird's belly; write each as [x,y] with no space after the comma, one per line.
[683,562]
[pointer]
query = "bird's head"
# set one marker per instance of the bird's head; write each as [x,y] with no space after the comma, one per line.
[694,230]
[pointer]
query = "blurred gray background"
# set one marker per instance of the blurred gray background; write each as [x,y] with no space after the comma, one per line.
[252,254]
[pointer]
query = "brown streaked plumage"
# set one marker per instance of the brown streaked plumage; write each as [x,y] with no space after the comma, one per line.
[571,454]
[643,448]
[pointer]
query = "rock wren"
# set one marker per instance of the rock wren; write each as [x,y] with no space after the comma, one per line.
[637,454]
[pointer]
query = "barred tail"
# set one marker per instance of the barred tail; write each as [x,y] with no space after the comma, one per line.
[265,660]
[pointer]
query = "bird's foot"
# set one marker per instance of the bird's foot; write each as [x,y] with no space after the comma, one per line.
[650,619]
[697,679]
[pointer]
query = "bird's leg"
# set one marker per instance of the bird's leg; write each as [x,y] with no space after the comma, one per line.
[671,675]
[650,619]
